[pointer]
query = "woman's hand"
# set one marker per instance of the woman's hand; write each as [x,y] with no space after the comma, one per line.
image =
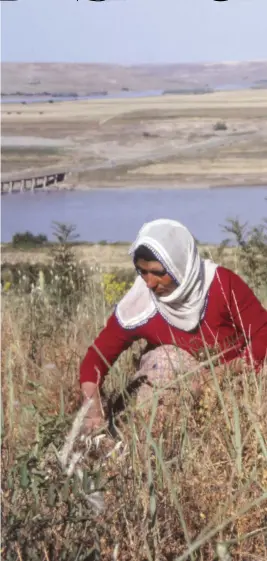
[95,415]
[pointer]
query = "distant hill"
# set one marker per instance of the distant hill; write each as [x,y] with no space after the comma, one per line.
[83,79]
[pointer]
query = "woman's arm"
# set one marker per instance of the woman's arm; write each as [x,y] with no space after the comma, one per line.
[250,319]
[95,414]
[105,350]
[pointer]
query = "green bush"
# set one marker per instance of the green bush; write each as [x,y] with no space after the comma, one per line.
[252,244]
[27,239]
[220,126]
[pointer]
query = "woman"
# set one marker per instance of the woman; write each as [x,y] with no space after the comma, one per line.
[178,301]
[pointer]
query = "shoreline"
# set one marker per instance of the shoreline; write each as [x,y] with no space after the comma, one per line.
[169,185]
[212,141]
[149,186]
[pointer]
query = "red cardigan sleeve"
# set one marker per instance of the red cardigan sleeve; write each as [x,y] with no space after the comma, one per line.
[250,318]
[105,350]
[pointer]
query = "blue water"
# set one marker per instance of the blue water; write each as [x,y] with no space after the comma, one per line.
[117,214]
[117,95]
[49,98]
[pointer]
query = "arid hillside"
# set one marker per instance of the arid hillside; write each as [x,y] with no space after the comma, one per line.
[36,78]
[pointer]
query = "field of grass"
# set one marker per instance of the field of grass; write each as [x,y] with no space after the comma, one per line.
[105,255]
[181,479]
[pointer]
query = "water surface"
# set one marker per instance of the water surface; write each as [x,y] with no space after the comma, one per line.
[117,214]
[38,98]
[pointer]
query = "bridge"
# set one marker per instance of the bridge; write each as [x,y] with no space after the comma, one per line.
[32,181]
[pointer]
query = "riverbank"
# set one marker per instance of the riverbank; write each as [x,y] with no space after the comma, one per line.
[209,140]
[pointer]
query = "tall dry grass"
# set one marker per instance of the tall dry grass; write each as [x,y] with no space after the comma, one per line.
[183,480]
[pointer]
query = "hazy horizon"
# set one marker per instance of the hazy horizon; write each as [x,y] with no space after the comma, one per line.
[134,32]
[106,63]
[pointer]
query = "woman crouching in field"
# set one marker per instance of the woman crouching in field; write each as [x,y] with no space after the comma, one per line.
[181,305]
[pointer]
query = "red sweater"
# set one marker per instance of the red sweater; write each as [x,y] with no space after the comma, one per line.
[233,317]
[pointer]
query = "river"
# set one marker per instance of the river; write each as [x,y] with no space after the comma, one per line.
[117,214]
[56,98]
[39,98]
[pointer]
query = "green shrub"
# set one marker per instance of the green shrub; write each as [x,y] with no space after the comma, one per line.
[220,126]
[252,244]
[27,239]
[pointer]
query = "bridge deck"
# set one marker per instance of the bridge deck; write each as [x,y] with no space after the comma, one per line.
[17,182]
[20,176]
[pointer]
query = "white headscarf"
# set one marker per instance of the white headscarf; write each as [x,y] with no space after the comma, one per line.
[175,248]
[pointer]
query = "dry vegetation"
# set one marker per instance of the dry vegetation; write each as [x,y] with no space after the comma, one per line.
[107,256]
[182,480]
[180,140]
[19,158]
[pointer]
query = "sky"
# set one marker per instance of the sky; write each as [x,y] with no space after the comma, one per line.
[133,31]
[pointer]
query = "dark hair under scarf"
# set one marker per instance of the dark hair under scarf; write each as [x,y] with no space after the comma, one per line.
[143,252]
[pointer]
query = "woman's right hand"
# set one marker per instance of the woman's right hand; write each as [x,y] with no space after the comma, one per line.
[92,423]
[95,415]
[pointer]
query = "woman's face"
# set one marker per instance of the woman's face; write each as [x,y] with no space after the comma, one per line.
[156,277]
